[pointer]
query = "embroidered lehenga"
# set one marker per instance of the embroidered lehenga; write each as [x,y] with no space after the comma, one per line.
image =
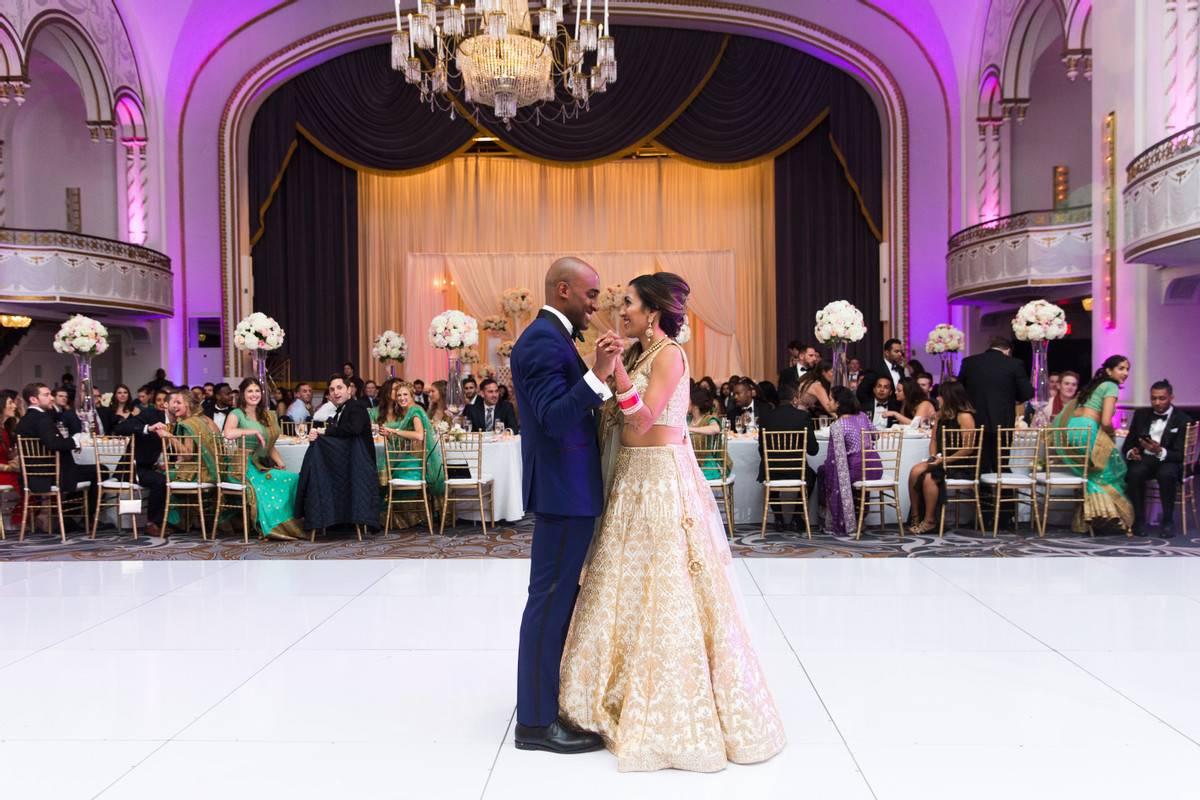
[658,659]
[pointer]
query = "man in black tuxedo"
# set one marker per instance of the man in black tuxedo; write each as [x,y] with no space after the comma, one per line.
[745,404]
[996,383]
[1154,451]
[220,405]
[419,396]
[881,400]
[370,396]
[470,389]
[147,426]
[485,414]
[890,366]
[40,423]
[788,416]
[64,413]
[808,359]
[338,481]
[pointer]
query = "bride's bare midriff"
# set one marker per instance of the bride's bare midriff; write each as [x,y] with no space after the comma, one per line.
[657,436]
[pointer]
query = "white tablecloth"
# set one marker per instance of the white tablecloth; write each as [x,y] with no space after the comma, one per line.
[501,460]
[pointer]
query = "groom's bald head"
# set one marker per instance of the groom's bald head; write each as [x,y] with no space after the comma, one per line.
[572,287]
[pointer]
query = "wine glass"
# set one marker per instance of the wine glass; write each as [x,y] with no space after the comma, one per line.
[302,429]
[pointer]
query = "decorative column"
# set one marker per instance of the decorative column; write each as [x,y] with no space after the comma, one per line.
[994,164]
[3,186]
[981,198]
[1191,41]
[1171,64]
[135,189]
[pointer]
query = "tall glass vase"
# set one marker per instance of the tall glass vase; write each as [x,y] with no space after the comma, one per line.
[454,377]
[947,370]
[260,369]
[840,365]
[1039,376]
[85,405]
[391,369]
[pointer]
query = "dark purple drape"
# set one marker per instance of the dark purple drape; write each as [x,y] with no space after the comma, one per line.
[306,263]
[824,248]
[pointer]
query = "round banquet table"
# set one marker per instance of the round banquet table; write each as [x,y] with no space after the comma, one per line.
[748,492]
[501,460]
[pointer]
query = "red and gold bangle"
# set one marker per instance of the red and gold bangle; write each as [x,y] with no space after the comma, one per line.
[628,400]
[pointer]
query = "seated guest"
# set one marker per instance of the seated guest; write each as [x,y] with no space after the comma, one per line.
[1154,451]
[10,461]
[891,366]
[122,404]
[148,426]
[370,394]
[436,399]
[301,408]
[506,395]
[788,373]
[766,391]
[789,415]
[160,400]
[844,463]
[854,371]
[197,395]
[145,397]
[39,423]
[1068,387]
[914,405]
[1052,382]
[184,418]
[882,400]
[814,391]
[913,368]
[348,371]
[702,414]
[327,409]
[470,391]
[927,480]
[210,389]
[270,489]
[744,404]
[485,414]
[807,362]
[419,395]
[358,390]
[339,482]
[407,420]
[221,405]
[925,381]
[64,414]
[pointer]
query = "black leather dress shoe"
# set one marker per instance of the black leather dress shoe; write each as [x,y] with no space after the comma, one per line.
[557,738]
[1166,530]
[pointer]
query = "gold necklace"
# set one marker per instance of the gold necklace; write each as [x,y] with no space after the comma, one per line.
[650,351]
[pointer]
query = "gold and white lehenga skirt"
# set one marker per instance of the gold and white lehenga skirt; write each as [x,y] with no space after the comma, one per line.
[658,659]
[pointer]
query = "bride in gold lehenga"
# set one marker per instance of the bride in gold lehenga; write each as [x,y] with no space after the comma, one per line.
[658,660]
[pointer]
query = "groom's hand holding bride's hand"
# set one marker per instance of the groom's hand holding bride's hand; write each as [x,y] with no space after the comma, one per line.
[608,351]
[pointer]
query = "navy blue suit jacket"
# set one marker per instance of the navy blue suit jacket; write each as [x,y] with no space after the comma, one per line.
[559,448]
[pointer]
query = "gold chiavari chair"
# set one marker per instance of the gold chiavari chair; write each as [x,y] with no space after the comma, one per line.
[1064,466]
[785,455]
[882,449]
[232,457]
[183,462]
[115,453]
[1017,451]
[712,454]
[287,427]
[403,455]
[5,488]
[962,451]
[463,455]
[1186,497]
[40,466]
[823,422]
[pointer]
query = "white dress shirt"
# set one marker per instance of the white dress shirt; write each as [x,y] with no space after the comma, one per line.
[877,418]
[325,412]
[1157,428]
[895,373]
[598,386]
[298,411]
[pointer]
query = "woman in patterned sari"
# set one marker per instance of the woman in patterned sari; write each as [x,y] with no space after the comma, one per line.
[188,421]
[844,463]
[413,424]
[1089,417]
[270,490]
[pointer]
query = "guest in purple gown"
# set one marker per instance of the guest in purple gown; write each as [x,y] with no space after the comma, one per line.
[844,463]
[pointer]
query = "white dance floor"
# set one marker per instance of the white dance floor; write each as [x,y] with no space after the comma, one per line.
[929,678]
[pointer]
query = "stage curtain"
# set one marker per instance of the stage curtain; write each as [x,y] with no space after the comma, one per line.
[309,284]
[711,278]
[489,224]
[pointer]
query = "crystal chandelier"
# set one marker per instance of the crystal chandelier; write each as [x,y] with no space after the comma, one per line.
[492,56]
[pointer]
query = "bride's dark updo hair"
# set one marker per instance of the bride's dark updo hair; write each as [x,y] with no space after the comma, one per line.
[667,294]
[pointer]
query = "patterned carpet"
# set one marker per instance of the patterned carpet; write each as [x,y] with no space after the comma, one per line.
[514,541]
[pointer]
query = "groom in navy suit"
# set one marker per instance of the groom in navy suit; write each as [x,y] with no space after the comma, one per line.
[559,399]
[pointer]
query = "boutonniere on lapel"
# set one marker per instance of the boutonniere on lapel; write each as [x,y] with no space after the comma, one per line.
[1174,430]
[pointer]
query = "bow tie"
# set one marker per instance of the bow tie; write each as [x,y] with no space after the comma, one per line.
[576,334]
[1163,417]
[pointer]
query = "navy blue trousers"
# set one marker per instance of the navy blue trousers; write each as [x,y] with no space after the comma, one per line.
[559,547]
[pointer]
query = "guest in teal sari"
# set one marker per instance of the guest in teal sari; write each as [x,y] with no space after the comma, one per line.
[702,419]
[407,420]
[270,489]
[1090,417]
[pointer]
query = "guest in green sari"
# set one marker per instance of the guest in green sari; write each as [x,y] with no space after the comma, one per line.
[703,419]
[388,417]
[270,490]
[414,425]
[187,420]
[1089,416]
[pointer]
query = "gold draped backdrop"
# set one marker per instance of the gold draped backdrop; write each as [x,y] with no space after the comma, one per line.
[456,235]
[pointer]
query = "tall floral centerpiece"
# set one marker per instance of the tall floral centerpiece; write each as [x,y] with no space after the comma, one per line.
[452,331]
[516,304]
[258,335]
[84,338]
[1039,322]
[839,324]
[390,348]
[610,301]
[944,341]
[504,350]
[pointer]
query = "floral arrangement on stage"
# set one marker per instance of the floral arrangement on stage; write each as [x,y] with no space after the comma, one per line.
[451,330]
[106,399]
[505,348]
[685,333]
[469,355]
[944,339]
[840,322]
[1038,321]
[495,323]
[258,332]
[516,302]
[611,298]
[390,346]
[82,336]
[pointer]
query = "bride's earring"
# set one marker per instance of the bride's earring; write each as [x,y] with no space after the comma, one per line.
[650,329]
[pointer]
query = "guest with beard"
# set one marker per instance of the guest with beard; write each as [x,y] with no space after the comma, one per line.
[1154,452]
[744,404]
[808,360]
[883,404]
[485,415]
[891,367]
[220,406]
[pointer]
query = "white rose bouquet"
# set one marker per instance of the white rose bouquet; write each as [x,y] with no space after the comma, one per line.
[81,335]
[944,339]
[611,298]
[1038,321]
[469,355]
[838,322]
[516,302]
[685,333]
[258,332]
[495,323]
[451,330]
[504,349]
[390,346]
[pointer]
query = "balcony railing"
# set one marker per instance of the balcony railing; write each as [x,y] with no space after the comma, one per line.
[1162,202]
[1032,248]
[76,270]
